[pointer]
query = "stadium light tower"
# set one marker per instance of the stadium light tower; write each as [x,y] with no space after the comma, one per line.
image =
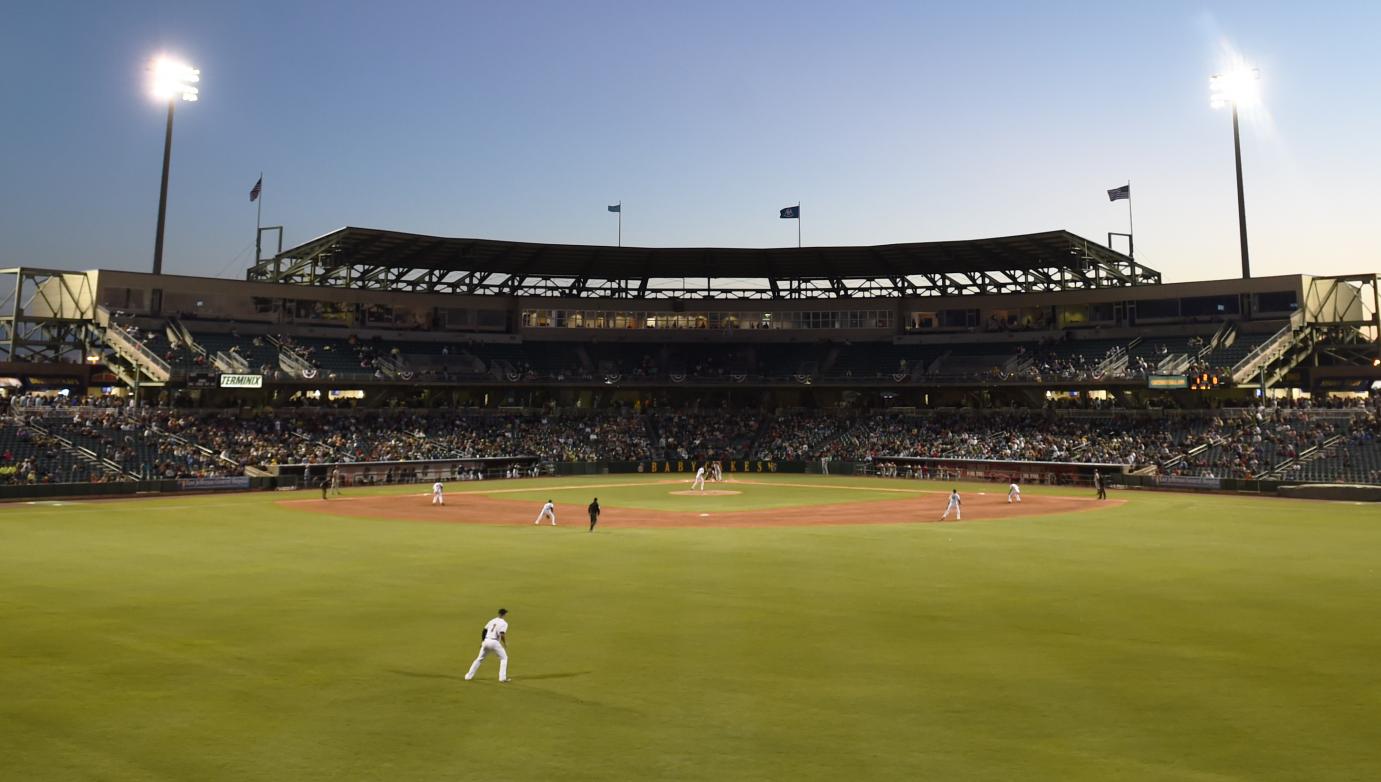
[1235,87]
[172,81]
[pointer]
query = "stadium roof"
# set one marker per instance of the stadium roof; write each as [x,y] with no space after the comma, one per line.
[376,259]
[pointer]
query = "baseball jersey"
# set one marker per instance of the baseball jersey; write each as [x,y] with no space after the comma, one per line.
[700,473]
[494,629]
[549,508]
[954,498]
[436,487]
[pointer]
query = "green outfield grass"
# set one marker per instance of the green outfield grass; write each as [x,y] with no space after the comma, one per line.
[1177,637]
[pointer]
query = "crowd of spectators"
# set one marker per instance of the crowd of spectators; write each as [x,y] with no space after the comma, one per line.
[173,443]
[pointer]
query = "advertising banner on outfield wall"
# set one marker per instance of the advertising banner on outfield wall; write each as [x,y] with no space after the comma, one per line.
[231,482]
[1188,482]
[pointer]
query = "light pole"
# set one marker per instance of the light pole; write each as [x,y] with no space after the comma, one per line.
[173,81]
[1234,87]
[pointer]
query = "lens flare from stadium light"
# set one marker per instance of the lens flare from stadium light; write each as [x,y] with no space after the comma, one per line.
[172,79]
[1239,85]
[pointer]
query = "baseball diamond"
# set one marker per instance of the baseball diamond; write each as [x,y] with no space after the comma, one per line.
[877,446]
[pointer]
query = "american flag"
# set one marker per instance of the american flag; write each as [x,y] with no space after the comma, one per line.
[254,191]
[1119,193]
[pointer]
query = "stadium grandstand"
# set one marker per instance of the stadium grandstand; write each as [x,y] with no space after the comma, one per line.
[397,357]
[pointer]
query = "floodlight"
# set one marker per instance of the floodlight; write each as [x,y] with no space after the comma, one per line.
[172,79]
[1237,86]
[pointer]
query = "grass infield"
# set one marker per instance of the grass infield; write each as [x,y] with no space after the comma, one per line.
[1174,637]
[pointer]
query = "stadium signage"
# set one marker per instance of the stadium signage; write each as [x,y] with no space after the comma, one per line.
[1189,482]
[242,381]
[227,482]
[1167,381]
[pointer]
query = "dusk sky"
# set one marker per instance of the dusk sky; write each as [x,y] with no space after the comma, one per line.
[889,122]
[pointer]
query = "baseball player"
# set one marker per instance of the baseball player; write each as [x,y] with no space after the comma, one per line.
[335,482]
[594,514]
[496,643]
[716,472]
[1099,485]
[953,506]
[1013,492]
[548,512]
[437,497]
[699,479]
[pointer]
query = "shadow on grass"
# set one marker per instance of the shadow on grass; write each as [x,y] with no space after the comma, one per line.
[531,677]
[420,675]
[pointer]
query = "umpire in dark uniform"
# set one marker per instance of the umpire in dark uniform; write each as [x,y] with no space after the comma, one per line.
[594,514]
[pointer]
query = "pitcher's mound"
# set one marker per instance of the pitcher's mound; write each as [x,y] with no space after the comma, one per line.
[706,493]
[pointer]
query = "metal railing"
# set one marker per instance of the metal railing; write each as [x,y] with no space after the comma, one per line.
[1270,350]
[132,350]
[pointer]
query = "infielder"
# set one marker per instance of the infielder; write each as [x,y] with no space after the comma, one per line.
[1098,483]
[1013,492]
[335,482]
[548,512]
[495,642]
[716,472]
[699,479]
[594,514]
[437,497]
[953,506]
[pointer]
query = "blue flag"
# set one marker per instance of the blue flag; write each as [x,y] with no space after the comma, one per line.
[791,213]
[616,207]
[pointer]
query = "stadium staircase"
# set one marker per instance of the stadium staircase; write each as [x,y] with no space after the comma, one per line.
[1114,364]
[183,441]
[1278,355]
[95,464]
[290,360]
[179,334]
[1183,458]
[1305,457]
[126,356]
[340,456]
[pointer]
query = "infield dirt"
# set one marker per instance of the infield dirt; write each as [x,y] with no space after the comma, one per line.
[474,508]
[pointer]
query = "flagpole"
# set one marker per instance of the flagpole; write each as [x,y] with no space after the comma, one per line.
[1131,242]
[798,225]
[259,218]
[620,222]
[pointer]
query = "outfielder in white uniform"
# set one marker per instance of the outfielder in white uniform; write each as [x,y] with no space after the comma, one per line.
[1014,492]
[437,498]
[548,512]
[953,506]
[699,479]
[495,643]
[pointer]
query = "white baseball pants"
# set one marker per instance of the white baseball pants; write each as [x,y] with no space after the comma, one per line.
[546,514]
[958,514]
[487,648]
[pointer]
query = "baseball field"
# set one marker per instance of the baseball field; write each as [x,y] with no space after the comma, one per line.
[790,627]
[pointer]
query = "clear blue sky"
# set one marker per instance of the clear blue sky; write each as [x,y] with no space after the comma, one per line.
[889,122]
